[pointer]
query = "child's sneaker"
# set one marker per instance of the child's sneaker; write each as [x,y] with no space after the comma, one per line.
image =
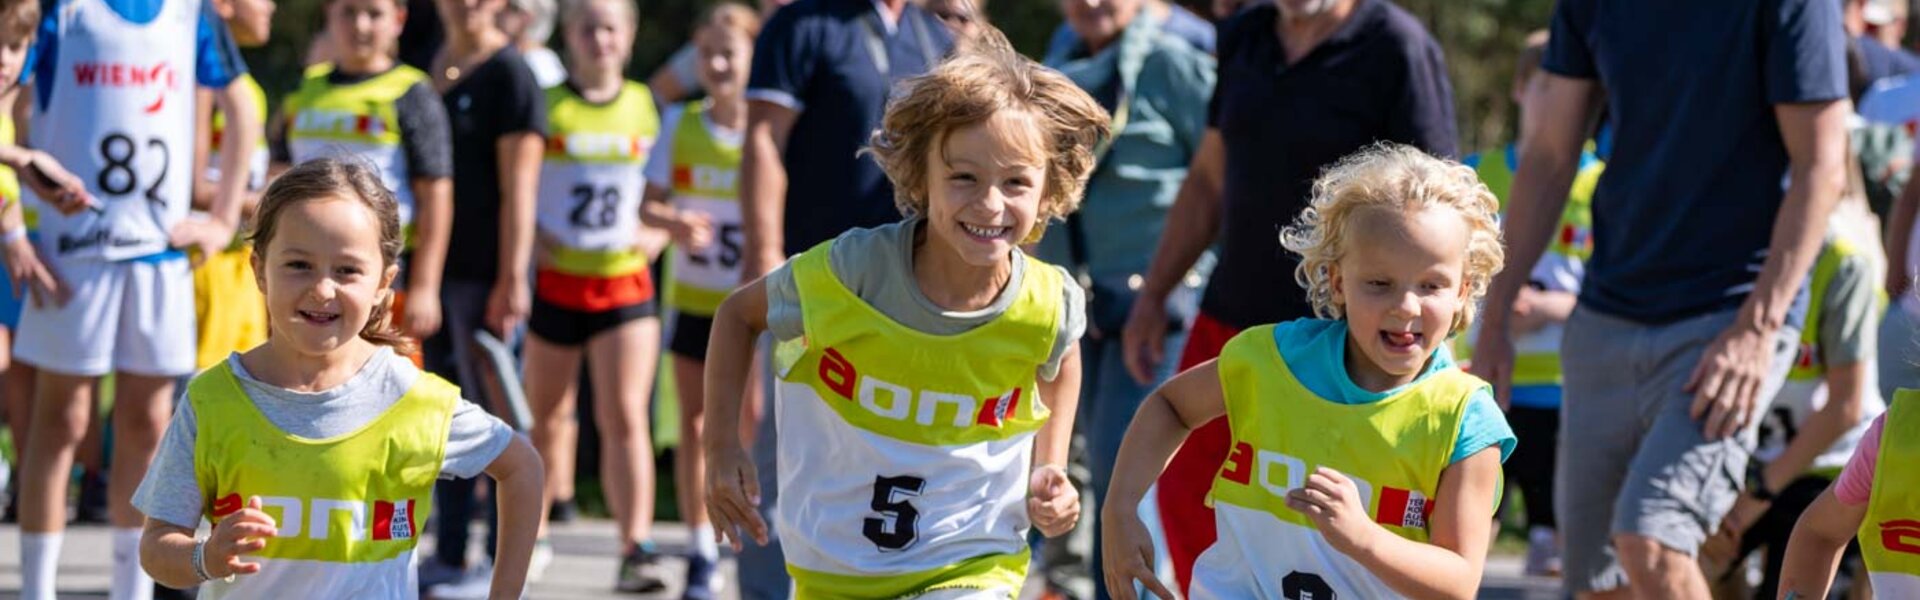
[563,511]
[1543,552]
[640,571]
[541,559]
[703,578]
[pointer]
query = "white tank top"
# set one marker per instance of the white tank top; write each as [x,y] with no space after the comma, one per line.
[121,118]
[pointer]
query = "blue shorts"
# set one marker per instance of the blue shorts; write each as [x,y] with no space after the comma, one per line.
[9,303]
[1545,397]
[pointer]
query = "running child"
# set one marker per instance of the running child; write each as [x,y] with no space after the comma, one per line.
[366,105]
[112,94]
[1365,464]
[692,193]
[592,292]
[1879,506]
[928,376]
[317,451]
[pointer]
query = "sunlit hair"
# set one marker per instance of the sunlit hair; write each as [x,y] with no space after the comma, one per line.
[980,80]
[732,16]
[573,10]
[326,179]
[1399,178]
[19,19]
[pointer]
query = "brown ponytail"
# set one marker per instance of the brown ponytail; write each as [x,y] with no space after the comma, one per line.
[336,178]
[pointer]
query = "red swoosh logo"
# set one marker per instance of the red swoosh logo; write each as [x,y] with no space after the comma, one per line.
[157,104]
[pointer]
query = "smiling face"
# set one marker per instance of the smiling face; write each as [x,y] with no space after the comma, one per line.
[364,31]
[322,274]
[599,38]
[725,53]
[1401,281]
[984,185]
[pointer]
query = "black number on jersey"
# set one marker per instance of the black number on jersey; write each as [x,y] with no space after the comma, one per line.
[594,209]
[898,523]
[1305,586]
[726,250]
[119,177]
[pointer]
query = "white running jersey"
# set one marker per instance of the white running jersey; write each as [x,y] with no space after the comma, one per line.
[121,118]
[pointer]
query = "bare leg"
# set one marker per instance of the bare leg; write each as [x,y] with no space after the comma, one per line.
[550,381]
[624,360]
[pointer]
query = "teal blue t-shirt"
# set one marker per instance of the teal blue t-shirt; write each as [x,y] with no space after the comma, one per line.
[1316,352]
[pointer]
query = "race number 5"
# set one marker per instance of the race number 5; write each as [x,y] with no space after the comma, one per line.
[898,523]
[119,178]
[726,249]
[1305,586]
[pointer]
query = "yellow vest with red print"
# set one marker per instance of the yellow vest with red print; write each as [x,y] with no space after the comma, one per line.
[706,176]
[348,508]
[905,455]
[358,120]
[589,202]
[1890,534]
[1394,450]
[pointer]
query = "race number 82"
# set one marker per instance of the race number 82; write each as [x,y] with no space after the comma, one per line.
[119,178]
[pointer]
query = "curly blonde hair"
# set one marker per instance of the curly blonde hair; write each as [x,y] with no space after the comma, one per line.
[979,80]
[1401,178]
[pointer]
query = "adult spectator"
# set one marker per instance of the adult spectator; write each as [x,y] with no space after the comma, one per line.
[1171,18]
[1156,85]
[1689,310]
[529,23]
[1302,83]
[1877,59]
[822,70]
[498,116]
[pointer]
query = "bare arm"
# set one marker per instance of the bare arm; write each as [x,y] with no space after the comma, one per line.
[666,85]
[519,480]
[203,188]
[242,131]
[1450,565]
[519,156]
[1548,162]
[1163,422]
[432,230]
[166,550]
[1062,395]
[1192,225]
[733,485]
[1813,553]
[1726,384]
[1845,392]
[763,185]
[1900,236]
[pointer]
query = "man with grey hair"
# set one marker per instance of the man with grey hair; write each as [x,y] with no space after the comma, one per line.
[529,23]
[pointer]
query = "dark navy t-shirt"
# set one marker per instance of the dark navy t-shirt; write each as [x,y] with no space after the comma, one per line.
[1683,216]
[813,57]
[1379,77]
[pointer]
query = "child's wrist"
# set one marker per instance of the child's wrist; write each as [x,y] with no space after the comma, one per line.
[201,568]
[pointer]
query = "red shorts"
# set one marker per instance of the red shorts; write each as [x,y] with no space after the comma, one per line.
[1184,513]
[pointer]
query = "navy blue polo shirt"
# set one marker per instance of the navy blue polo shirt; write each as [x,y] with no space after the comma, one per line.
[1684,214]
[813,56]
[1379,77]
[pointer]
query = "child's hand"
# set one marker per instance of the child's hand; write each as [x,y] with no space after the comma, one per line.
[31,276]
[1127,553]
[238,534]
[1333,503]
[208,235]
[733,497]
[1052,503]
[53,183]
[692,230]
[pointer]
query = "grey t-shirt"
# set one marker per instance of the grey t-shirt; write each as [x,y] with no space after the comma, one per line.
[171,490]
[877,265]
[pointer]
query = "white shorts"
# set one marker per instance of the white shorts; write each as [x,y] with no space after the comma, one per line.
[129,316]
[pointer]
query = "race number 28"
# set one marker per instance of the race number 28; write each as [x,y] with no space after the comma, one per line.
[898,523]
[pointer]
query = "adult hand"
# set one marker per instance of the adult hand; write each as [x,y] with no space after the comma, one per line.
[421,315]
[507,307]
[1143,340]
[1493,360]
[1727,381]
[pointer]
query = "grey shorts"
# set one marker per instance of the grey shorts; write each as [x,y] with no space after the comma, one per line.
[1632,461]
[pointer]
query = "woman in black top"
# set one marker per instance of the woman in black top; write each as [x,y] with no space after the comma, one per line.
[498,118]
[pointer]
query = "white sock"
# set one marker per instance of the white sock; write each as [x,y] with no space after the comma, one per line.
[130,582]
[703,544]
[40,553]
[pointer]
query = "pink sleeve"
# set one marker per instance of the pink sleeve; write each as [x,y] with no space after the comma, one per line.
[1856,480]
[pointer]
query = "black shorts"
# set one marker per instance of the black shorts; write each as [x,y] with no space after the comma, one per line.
[690,334]
[568,327]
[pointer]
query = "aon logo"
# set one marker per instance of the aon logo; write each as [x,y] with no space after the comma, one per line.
[1279,473]
[321,518]
[899,403]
